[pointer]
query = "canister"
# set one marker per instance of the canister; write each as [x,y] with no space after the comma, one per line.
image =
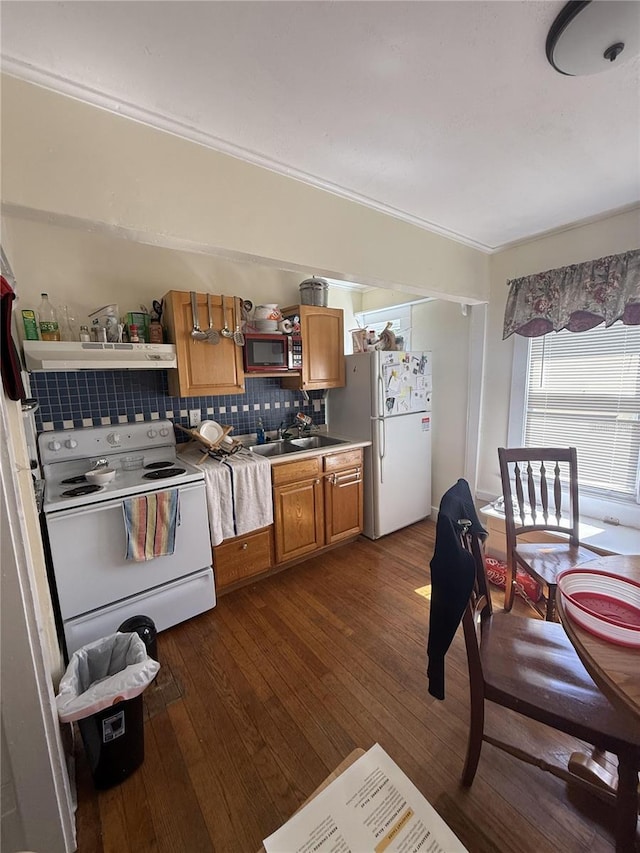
[314,291]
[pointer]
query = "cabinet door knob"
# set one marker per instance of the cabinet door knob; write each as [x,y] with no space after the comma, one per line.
[244,546]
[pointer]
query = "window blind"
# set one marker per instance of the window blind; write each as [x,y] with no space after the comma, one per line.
[583,391]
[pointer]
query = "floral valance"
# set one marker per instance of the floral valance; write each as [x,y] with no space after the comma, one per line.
[577,297]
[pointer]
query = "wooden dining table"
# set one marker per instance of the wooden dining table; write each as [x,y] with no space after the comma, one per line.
[614,668]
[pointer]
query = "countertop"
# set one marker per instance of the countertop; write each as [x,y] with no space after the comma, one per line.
[350,444]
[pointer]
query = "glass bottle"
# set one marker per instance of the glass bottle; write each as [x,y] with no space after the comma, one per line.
[260,436]
[68,325]
[84,333]
[155,332]
[48,318]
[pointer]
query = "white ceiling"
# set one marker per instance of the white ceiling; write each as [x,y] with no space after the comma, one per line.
[446,114]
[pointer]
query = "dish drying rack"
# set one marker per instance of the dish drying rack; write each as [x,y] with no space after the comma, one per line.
[223,447]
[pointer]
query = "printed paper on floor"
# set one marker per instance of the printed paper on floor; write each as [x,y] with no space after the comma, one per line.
[372,806]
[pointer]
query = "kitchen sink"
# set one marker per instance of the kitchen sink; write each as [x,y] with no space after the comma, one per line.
[295,445]
[274,448]
[312,441]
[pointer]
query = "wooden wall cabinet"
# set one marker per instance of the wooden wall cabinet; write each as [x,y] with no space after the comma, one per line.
[204,369]
[343,495]
[322,332]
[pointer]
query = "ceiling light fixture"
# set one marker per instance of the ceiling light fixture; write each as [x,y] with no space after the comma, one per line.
[590,36]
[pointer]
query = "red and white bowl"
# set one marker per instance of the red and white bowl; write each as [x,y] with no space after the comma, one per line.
[602,603]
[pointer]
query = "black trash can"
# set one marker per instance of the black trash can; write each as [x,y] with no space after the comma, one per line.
[114,742]
[145,628]
[102,690]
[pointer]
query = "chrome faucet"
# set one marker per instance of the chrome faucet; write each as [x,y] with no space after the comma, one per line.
[288,432]
[301,423]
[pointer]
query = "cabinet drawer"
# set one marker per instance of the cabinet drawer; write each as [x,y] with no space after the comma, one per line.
[242,557]
[346,459]
[292,472]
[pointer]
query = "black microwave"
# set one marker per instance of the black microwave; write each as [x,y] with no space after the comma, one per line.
[266,353]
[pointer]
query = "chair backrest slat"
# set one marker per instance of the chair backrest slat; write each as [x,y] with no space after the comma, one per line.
[557,492]
[544,493]
[527,471]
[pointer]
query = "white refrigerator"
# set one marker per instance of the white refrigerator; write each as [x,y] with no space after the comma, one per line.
[387,400]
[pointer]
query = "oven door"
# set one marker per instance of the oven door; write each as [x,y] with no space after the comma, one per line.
[88,548]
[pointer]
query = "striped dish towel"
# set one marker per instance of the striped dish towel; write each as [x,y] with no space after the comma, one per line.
[151,521]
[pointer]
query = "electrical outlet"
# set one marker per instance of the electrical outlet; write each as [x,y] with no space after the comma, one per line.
[195,417]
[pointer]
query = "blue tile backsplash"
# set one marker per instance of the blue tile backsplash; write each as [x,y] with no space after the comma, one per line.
[87,398]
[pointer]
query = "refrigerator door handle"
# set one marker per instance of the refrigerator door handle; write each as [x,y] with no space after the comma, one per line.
[382,439]
[380,396]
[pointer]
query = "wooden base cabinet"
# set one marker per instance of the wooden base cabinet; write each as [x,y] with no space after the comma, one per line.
[298,508]
[242,557]
[322,332]
[317,502]
[343,496]
[204,369]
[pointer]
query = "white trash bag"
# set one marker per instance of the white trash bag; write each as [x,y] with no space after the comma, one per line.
[103,673]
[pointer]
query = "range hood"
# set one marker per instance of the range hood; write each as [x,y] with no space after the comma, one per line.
[72,355]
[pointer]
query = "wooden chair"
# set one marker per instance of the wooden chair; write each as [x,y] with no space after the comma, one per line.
[534,502]
[530,667]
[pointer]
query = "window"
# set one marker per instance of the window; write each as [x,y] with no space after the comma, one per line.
[583,390]
[399,316]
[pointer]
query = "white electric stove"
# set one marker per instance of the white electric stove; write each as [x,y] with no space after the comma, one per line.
[97,587]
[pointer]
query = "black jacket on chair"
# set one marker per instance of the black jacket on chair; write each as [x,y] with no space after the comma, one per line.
[452,578]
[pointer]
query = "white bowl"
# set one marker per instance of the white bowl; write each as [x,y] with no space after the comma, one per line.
[602,603]
[101,476]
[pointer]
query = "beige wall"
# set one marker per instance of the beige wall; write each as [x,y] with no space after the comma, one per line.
[606,237]
[86,270]
[375,300]
[100,209]
[62,158]
[440,327]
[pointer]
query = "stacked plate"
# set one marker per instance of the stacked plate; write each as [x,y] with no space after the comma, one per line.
[266,326]
[604,604]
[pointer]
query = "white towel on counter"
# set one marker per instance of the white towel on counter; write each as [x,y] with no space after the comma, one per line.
[238,490]
[253,500]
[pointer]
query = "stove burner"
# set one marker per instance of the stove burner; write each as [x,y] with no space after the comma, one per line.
[153,465]
[72,481]
[89,489]
[164,472]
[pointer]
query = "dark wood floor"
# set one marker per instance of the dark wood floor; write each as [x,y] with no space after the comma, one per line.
[259,699]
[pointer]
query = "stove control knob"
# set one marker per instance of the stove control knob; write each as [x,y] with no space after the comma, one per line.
[152,433]
[114,439]
[71,443]
[54,445]
[164,431]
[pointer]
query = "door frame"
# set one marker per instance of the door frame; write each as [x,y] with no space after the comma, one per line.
[33,739]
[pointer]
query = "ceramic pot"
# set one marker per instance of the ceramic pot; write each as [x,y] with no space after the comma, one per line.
[267,312]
